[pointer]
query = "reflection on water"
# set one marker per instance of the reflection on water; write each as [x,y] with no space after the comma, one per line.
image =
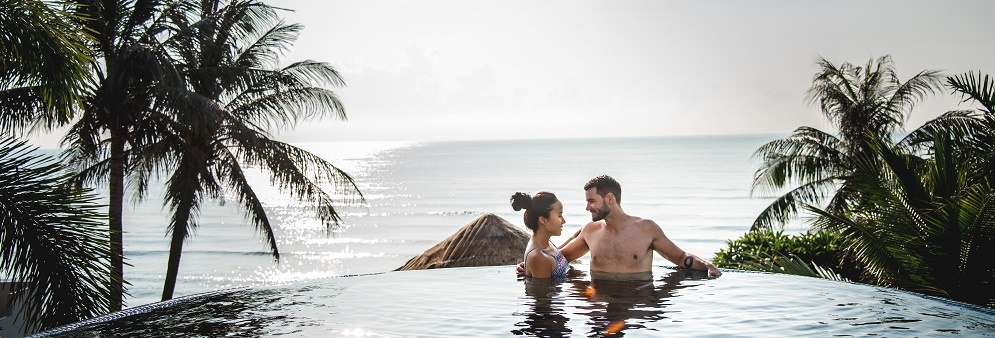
[627,301]
[545,316]
[610,302]
[489,301]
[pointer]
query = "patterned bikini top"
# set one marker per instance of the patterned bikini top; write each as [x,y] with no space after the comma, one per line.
[562,266]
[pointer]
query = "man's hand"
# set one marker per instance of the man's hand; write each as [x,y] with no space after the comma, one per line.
[713,271]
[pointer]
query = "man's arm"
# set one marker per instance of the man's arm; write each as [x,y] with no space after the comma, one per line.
[666,248]
[575,247]
[569,239]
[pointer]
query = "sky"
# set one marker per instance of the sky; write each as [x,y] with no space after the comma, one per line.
[472,69]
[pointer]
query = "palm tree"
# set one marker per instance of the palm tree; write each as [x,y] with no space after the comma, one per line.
[815,162]
[926,225]
[44,67]
[136,86]
[926,218]
[981,90]
[53,245]
[227,54]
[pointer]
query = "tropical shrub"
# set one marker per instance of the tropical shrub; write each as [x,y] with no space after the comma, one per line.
[775,251]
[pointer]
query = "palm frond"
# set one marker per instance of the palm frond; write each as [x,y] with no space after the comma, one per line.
[302,175]
[905,95]
[231,173]
[794,265]
[84,136]
[832,80]
[810,159]
[237,23]
[266,50]
[962,123]
[898,169]
[980,88]
[43,48]
[184,194]
[314,72]
[975,266]
[808,155]
[869,245]
[52,241]
[21,107]
[784,207]
[287,108]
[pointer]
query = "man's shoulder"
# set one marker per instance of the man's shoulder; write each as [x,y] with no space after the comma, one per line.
[642,221]
[594,225]
[645,224]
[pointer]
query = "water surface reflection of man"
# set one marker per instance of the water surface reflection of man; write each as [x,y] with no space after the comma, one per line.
[621,301]
[609,303]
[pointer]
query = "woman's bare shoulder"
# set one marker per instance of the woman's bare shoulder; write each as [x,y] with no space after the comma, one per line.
[537,253]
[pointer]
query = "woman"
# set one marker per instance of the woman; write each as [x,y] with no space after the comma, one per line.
[544,216]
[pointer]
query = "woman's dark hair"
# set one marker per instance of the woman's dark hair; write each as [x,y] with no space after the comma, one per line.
[539,205]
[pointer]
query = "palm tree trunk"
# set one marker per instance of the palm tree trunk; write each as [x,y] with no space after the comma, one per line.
[183,203]
[173,266]
[114,219]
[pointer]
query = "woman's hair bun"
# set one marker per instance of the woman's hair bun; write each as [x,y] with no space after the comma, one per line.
[521,200]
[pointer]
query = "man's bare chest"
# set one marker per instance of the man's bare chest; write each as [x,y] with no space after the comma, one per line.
[619,246]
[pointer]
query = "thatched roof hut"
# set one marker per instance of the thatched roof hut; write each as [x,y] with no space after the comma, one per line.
[488,240]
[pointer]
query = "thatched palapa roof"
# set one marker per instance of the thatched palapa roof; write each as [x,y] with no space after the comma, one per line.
[488,240]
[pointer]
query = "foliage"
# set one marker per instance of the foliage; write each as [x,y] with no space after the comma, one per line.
[45,64]
[188,88]
[924,226]
[980,88]
[227,52]
[814,162]
[52,240]
[775,251]
[979,137]
[52,243]
[135,86]
[917,214]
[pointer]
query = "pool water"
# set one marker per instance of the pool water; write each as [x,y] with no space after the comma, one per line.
[493,301]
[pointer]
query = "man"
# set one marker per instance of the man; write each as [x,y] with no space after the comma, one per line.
[621,243]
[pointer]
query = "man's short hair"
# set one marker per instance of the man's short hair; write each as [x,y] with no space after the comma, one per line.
[605,184]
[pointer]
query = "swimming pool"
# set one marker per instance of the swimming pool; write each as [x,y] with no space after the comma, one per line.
[492,301]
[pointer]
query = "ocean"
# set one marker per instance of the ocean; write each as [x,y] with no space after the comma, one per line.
[418,193]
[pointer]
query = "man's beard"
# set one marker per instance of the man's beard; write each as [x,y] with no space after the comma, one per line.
[600,214]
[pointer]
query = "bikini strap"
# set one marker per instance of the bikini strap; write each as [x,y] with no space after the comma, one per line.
[530,251]
[526,262]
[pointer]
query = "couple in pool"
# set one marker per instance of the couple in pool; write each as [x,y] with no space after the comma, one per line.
[618,242]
